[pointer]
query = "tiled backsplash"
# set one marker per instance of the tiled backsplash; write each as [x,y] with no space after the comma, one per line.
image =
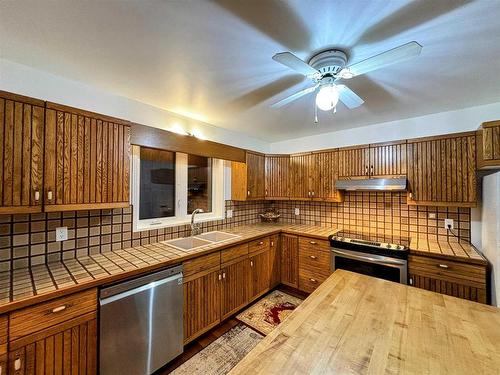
[30,239]
[383,213]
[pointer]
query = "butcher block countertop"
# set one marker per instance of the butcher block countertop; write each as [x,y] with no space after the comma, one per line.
[27,286]
[456,250]
[357,324]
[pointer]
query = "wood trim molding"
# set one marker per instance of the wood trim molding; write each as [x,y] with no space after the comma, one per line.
[148,136]
[84,206]
[21,98]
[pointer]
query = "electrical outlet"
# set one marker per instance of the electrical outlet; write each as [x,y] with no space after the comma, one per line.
[61,234]
[297,212]
[229,214]
[448,223]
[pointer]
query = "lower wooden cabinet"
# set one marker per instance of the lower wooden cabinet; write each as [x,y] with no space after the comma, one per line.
[3,343]
[235,286]
[275,260]
[68,348]
[260,273]
[314,263]
[458,279]
[289,260]
[201,303]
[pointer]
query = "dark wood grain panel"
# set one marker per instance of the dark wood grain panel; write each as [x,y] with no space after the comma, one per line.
[388,160]
[488,145]
[277,176]
[260,273]
[299,177]
[235,287]
[289,260]
[256,176]
[354,162]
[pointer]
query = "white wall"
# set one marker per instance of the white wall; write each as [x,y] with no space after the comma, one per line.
[490,232]
[24,80]
[434,124]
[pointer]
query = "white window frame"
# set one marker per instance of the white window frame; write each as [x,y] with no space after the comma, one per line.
[181,217]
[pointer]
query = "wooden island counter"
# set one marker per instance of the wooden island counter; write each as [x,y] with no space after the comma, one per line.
[358,324]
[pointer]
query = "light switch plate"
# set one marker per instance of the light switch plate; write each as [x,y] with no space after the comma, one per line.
[229,214]
[448,223]
[297,212]
[61,234]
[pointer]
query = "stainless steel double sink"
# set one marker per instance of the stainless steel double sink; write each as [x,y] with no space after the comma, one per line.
[194,242]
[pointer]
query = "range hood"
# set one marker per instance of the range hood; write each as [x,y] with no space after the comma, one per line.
[372,184]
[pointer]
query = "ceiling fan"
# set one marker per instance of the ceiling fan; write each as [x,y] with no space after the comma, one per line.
[329,67]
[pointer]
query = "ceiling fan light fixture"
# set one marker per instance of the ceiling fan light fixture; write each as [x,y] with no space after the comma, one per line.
[346,73]
[327,97]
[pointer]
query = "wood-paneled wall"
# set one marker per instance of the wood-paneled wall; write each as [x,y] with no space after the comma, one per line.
[87,160]
[442,170]
[21,153]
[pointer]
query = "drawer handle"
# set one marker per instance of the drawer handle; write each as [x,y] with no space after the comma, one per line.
[17,364]
[272,243]
[251,263]
[443,266]
[37,196]
[313,280]
[59,308]
[312,242]
[313,257]
[223,275]
[261,243]
[220,277]
[49,196]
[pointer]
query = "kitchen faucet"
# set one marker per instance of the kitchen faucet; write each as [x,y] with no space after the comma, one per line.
[195,228]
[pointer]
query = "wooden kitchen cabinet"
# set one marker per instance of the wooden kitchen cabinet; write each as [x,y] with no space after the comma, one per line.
[21,153]
[275,260]
[87,160]
[299,177]
[277,177]
[442,171]
[4,332]
[313,263]
[289,260]
[248,181]
[236,280]
[354,162]
[458,279]
[488,145]
[260,273]
[323,172]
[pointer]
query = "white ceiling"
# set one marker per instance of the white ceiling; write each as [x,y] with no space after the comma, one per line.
[212,59]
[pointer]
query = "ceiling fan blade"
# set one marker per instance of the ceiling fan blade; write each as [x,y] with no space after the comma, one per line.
[386,58]
[349,97]
[293,97]
[293,62]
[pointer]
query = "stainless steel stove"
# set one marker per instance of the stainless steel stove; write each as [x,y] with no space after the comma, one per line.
[371,254]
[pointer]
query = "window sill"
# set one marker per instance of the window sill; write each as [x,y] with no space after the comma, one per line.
[165,223]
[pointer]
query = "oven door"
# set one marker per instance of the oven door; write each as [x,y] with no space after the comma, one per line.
[383,267]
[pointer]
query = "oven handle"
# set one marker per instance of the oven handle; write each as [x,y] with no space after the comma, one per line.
[382,261]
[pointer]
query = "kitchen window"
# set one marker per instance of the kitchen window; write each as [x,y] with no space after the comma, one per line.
[168,186]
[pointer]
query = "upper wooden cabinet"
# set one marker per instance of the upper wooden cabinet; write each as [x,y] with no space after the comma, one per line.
[87,160]
[488,145]
[299,176]
[382,160]
[21,154]
[277,176]
[248,179]
[441,171]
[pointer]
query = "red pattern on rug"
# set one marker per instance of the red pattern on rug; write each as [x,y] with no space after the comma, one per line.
[273,314]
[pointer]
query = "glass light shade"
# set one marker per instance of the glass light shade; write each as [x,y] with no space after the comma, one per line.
[327,97]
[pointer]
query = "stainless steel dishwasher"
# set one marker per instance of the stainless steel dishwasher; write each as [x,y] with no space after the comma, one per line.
[141,324]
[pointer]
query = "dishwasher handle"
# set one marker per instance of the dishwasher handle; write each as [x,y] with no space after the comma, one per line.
[140,284]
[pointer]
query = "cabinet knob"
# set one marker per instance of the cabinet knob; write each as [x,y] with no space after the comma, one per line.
[272,243]
[223,275]
[37,199]
[49,196]
[312,257]
[251,263]
[366,170]
[443,266]
[313,280]
[17,364]
[266,192]
[220,277]
[261,243]
[312,193]
[59,308]
[248,192]
[308,193]
[371,170]
[312,242]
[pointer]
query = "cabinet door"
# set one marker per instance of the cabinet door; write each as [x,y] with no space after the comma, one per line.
[277,175]
[69,348]
[3,343]
[87,160]
[261,273]
[441,171]
[21,154]
[488,145]
[275,261]
[289,260]
[256,176]
[299,177]
[388,160]
[201,304]
[354,162]
[235,287]
[324,173]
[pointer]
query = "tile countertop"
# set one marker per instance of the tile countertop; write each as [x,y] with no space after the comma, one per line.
[462,251]
[359,324]
[27,286]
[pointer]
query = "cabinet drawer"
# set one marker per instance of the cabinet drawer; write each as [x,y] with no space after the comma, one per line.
[314,259]
[464,273]
[314,244]
[36,318]
[309,281]
[259,245]
[233,253]
[201,264]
